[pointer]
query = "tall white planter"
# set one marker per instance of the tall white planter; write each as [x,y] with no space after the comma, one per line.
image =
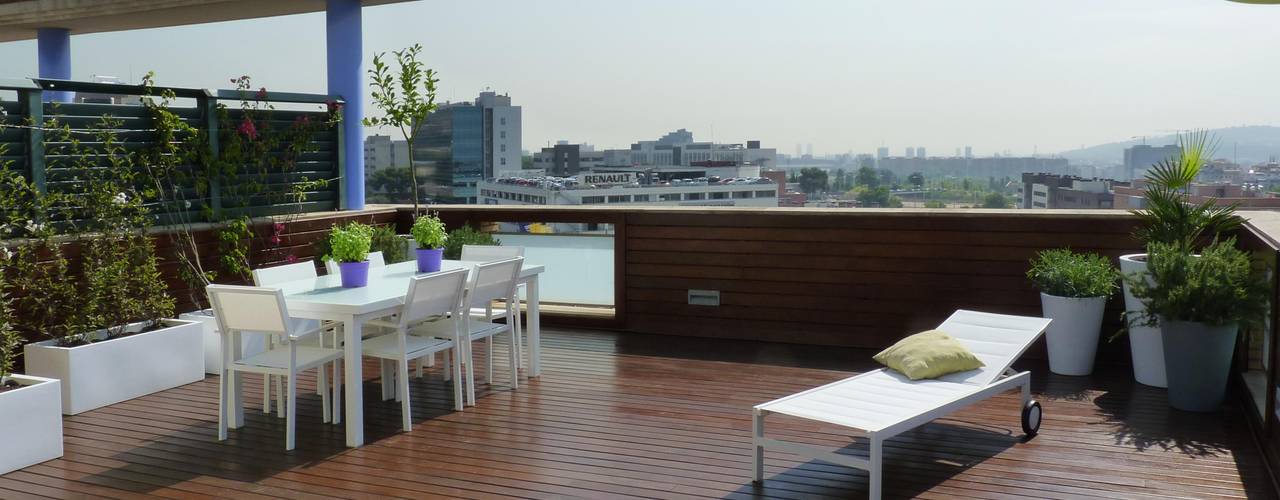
[250,343]
[30,423]
[1145,345]
[1073,334]
[102,373]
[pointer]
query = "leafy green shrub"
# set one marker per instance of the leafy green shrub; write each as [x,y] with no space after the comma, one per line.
[429,231]
[350,242]
[466,235]
[1216,288]
[394,248]
[10,341]
[1063,273]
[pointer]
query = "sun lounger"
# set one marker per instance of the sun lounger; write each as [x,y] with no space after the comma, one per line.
[884,403]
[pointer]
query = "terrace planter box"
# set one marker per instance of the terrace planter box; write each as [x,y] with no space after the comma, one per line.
[1145,343]
[103,373]
[32,423]
[250,343]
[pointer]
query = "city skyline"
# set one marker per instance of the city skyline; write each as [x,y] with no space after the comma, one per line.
[1002,75]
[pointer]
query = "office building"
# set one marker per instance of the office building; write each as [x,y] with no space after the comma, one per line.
[566,160]
[968,151]
[921,153]
[882,153]
[462,143]
[381,151]
[996,166]
[679,149]
[911,152]
[1138,159]
[673,185]
[1040,190]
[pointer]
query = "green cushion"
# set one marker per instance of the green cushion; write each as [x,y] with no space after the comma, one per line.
[929,354]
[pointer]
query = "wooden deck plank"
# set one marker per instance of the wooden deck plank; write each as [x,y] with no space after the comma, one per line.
[633,416]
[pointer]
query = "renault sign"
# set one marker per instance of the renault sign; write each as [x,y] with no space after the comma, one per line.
[609,178]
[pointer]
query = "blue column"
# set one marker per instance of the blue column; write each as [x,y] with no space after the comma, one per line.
[54,48]
[346,79]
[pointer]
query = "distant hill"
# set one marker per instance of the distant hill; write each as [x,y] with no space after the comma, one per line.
[1251,144]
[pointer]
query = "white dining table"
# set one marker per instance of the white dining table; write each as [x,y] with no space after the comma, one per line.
[324,298]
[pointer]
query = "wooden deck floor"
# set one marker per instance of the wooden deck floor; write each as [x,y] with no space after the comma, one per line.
[619,416]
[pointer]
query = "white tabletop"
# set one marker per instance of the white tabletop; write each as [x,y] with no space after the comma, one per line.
[324,296]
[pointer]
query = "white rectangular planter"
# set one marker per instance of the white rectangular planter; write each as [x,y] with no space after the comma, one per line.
[102,373]
[250,343]
[30,423]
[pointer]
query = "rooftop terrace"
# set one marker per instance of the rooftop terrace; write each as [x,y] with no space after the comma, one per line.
[625,415]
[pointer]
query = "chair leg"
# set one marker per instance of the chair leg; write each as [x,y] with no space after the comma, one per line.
[280,397]
[471,373]
[513,356]
[290,418]
[448,368]
[488,360]
[322,383]
[455,368]
[431,360]
[388,389]
[420,367]
[403,394]
[337,392]
[222,405]
[266,394]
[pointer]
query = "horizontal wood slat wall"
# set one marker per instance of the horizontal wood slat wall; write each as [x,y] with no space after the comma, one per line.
[857,278]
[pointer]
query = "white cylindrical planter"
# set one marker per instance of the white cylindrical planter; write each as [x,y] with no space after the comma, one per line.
[1073,334]
[1145,345]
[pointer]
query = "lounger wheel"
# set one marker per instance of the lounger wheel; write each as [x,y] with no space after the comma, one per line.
[1031,414]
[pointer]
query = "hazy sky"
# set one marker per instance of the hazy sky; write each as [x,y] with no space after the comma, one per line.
[841,75]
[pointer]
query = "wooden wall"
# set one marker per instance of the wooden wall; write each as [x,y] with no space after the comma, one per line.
[858,278]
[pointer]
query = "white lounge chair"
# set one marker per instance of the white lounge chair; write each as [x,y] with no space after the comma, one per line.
[884,403]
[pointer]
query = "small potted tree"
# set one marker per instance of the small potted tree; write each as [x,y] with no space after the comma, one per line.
[349,246]
[30,407]
[1200,302]
[1073,293]
[429,233]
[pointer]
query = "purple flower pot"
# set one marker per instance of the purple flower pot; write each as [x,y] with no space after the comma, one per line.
[429,259]
[354,274]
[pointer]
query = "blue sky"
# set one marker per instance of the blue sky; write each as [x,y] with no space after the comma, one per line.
[1016,75]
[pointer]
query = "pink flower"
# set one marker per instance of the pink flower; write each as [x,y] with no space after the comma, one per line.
[291,258]
[334,106]
[278,227]
[262,94]
[248,129]
[275,239]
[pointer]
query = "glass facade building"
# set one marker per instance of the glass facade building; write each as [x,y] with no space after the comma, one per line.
[449,156]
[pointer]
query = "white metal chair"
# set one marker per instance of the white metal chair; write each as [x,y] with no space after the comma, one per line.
[490,253]
[375,261]
[276,275]
[489,281]
[256,309]
[436,294]
[884,403]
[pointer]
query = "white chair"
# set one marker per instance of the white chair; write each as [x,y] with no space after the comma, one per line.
[436,294]
[375,261]
[884,403]
[269,276]
[256,309]
[490,253]
[490,281]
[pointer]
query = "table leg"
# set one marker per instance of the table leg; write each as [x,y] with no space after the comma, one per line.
[355,383]
[535,329]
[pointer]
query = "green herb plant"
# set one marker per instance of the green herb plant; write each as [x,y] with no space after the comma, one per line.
[350,242]
[1218,287]
[429,231]
[10,340]
[1063,273]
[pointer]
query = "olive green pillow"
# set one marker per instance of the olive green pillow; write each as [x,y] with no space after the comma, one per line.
[929,354]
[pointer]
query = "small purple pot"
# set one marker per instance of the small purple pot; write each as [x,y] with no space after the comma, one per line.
[354,274]
[429,259]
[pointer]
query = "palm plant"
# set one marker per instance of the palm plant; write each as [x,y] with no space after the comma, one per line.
[1169,217]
